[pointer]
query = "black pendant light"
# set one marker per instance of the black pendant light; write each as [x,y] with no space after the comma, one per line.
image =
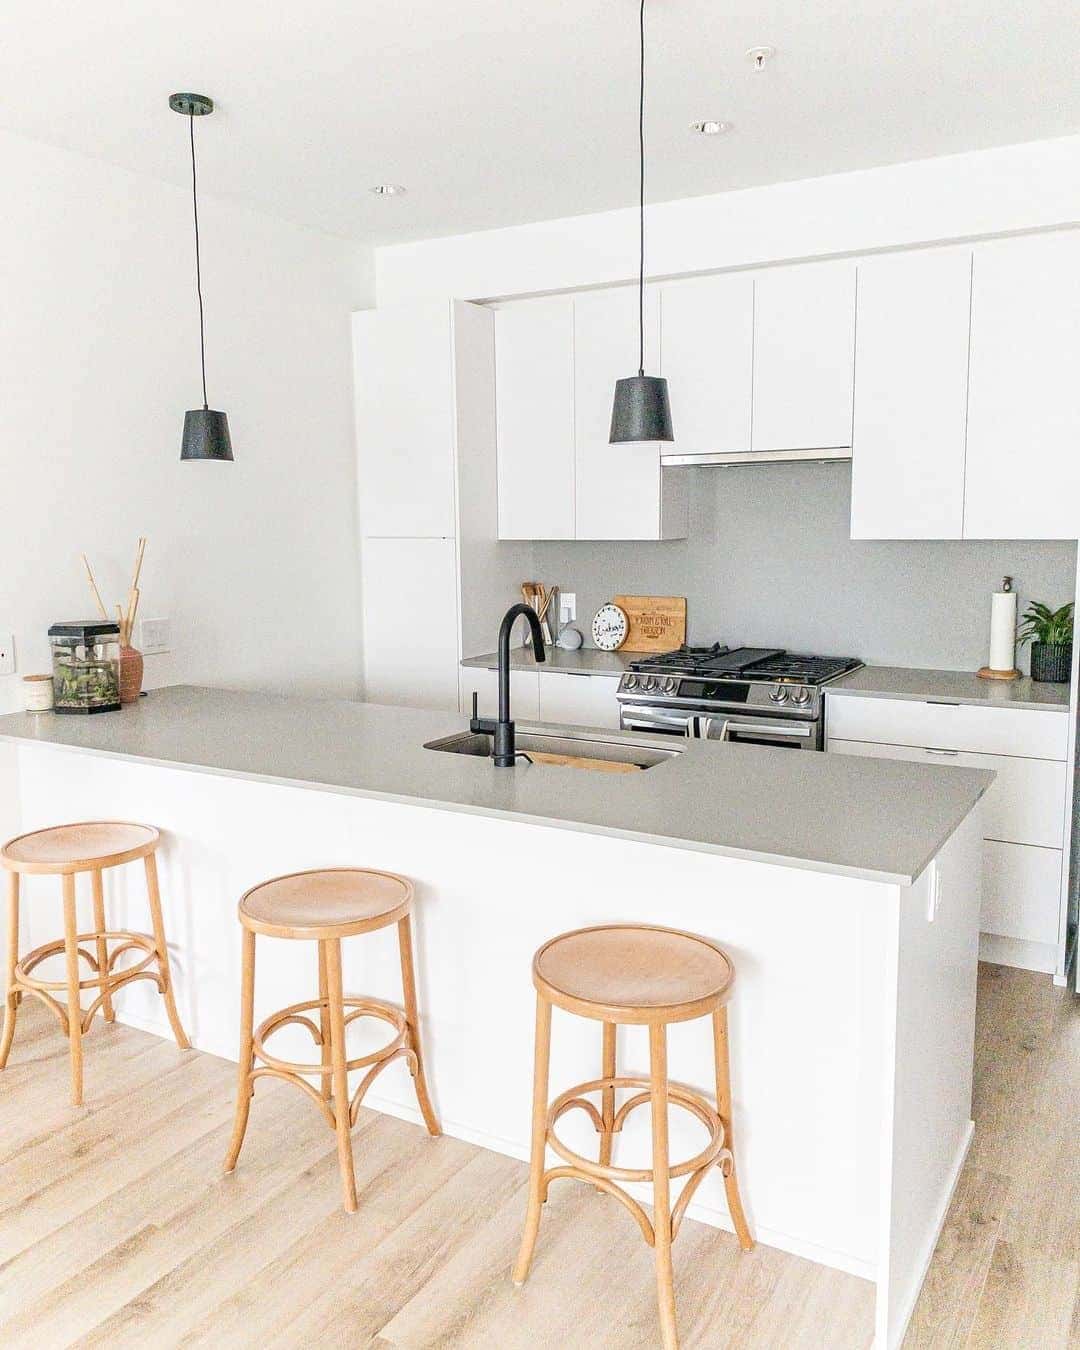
[206,431]
[641,411]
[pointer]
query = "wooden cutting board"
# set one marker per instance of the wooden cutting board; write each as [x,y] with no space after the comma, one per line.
[582,762]
[657,622]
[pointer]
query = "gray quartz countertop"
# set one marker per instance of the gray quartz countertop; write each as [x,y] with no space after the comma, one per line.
[585,661]
[879,819]
[950,686]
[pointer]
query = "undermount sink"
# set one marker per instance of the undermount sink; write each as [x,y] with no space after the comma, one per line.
[565,750]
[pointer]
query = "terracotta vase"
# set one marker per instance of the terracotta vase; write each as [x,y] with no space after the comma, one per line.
[131,674]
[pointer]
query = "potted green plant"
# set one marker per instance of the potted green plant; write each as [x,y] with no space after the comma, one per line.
[1050,632]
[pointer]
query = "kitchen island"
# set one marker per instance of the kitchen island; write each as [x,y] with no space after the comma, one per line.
[846,891]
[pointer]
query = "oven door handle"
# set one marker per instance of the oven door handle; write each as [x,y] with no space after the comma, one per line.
[764,728]
[644,721]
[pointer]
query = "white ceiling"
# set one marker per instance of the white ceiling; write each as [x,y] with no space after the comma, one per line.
[495,112]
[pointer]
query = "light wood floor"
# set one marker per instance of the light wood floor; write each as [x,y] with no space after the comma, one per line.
[117,1227]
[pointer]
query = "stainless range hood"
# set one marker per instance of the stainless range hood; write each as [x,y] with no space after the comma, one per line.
[673,457]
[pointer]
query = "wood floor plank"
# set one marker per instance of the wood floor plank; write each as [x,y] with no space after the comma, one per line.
[1028,1300]
[961,1263]
[398,1169]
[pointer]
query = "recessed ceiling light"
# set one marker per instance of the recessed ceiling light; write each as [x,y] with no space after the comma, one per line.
[758,56]
[710,128]
[388,190]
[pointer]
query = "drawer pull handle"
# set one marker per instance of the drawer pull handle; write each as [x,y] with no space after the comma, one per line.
[950,753]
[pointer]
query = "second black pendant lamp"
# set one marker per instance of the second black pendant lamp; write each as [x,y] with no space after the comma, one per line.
[206,430]
[641,411]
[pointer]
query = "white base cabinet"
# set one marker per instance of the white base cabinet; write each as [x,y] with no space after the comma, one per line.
[524,693]
[1024,824]
[580,700]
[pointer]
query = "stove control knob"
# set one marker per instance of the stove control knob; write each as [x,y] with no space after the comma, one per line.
[648,684]
[669,685]
[802,696]
[779,694]
[630,682]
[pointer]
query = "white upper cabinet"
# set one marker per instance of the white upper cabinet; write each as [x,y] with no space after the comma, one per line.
[707,341]
[404,384]
[911,360]
[534,380]
[804,357]
[621,490]
[1023,449]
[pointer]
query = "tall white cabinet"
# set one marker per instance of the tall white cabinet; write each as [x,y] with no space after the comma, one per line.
[911,360]
[1023,453]
[424,378]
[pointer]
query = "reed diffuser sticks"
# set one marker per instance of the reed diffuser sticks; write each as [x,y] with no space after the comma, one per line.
[125,614]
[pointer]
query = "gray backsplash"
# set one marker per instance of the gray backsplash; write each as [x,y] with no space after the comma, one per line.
[769,560]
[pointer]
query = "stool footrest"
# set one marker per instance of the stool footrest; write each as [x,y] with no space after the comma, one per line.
[128,942]
[294,1014]
[677,1096]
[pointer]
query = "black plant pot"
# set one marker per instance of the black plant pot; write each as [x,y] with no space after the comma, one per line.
[1051,662]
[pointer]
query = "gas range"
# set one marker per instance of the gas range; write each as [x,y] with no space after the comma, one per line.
[764,695]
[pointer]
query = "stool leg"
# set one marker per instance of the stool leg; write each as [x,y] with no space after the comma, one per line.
[324,1022]
[244,1085]
[74,1007]
[11,1002]
[665,1288]
[607,1102]
[341,1074]
[541,1064]
[723,1110]
[412,1017]
[163,952]
[102,945]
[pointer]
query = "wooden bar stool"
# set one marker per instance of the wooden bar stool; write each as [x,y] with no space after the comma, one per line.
[65,851]
[324,907]
[634,975]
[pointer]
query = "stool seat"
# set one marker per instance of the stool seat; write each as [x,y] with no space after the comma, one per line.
[80,847]
[326,903]
[633,973]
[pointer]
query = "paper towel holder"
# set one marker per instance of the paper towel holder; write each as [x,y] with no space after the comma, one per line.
[987,672]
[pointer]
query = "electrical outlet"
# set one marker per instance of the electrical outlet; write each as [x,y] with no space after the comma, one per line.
[567,607]
[155,636]
[7,653]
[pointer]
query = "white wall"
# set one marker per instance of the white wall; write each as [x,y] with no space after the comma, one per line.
[254,562]
[986,192]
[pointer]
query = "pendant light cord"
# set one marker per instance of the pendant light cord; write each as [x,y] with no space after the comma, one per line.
[198,267]
[641,203]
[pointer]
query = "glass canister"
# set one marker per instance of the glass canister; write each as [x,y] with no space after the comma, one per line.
[86,666]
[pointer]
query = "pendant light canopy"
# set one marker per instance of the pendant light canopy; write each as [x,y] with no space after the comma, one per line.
[206,431]
[641,411]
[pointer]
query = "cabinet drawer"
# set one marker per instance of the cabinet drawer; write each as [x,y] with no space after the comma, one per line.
[524,693]
[1021,892]
[1032,733]
[1025,804]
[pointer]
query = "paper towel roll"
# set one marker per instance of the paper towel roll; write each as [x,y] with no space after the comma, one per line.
[1003,631]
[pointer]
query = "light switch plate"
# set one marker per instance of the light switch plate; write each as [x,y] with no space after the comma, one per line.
[7,653]
[567,607]
[155,636]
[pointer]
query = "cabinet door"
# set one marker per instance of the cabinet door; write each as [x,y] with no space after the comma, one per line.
[404,390]
[534,380]
[579,700]
[707,355]
[620,493]
[524,693]
[1023,465]
[911,364]
[804,357]
[410,651]
[1021,892]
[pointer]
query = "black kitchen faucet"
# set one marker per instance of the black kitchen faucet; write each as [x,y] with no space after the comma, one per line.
[503,729]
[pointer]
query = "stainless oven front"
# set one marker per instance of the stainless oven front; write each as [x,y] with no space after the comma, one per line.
[742,727]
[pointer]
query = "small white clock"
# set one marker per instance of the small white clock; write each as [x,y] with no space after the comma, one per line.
[610,627]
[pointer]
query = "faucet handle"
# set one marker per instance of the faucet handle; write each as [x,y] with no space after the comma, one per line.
[475,705]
